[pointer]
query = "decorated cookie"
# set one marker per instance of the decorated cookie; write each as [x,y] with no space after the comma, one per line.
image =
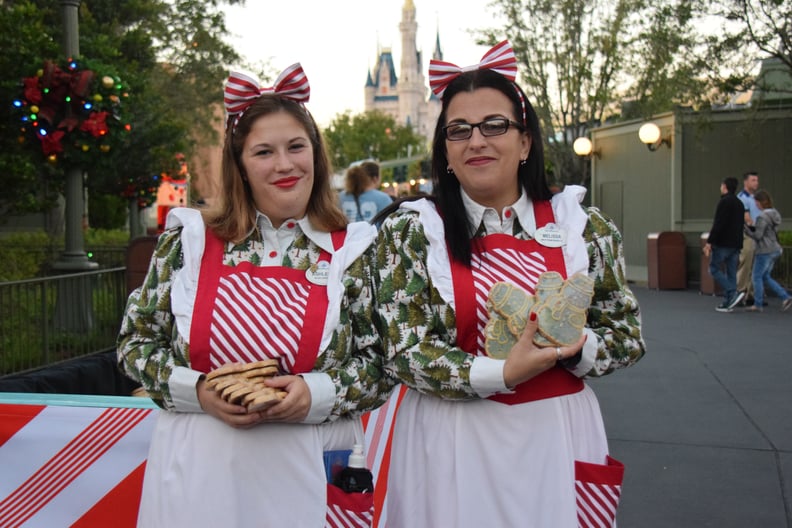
[562,315]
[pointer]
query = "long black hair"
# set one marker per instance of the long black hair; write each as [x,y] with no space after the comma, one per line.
[446,190]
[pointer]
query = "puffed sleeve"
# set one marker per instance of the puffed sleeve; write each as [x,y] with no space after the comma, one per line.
[416,324]
[614,318]
[145,346]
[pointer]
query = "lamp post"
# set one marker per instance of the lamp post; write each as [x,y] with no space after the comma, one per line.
[74,257]
[74,305]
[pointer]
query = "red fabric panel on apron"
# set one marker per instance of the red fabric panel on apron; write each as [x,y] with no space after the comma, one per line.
[347,510]
[247,313]
[501,257]
[597,491]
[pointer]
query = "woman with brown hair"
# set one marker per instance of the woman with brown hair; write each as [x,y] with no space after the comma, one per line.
[764,232]
[362,199]
[269,276]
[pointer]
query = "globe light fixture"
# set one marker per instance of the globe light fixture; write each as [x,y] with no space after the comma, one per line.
[584,148]
[649,134]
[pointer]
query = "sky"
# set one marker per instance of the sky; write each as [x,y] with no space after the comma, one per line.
[337,41]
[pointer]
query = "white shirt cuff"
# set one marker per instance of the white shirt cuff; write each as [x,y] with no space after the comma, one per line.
[323,395]
[182,384]
[486,376]
[588,356]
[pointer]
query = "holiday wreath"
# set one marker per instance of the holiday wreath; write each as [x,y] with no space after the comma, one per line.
[73,114]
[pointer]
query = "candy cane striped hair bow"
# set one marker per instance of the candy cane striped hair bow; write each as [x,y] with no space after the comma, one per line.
[242,89]
[500,58]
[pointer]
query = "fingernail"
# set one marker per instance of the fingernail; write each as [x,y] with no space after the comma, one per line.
[533,316]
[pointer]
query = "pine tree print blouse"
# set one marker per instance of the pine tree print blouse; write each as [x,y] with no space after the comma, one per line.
[150,345]
[419,328]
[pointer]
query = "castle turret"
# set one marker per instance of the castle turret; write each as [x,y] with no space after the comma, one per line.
[412,87]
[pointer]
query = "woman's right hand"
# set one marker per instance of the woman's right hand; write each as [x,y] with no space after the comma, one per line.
[526,360]
[234,415]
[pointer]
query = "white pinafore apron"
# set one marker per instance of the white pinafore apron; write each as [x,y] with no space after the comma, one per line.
[269,475]
[485,462]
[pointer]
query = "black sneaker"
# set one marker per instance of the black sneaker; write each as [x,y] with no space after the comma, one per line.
[724,307]
[738,296]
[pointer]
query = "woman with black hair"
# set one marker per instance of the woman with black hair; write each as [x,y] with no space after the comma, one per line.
[482,441]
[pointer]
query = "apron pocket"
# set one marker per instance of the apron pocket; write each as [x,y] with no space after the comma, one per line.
[597,491]
[348,509]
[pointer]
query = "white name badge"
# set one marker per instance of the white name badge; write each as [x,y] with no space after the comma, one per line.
[551,236]
[318,273]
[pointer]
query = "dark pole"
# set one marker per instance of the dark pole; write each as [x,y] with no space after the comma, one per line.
[74,257]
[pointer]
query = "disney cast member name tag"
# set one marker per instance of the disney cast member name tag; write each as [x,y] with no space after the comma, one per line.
[551,235]
[318,273]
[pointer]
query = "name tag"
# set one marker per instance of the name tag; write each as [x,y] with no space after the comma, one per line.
[551,235]
[318,273]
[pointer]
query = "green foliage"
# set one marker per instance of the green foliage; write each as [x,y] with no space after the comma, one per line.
[23,255]
[26,255]
[107,211]
[785,238]
[170,54]
[372,135]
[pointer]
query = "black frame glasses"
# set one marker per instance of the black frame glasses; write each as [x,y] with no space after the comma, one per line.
[494,126]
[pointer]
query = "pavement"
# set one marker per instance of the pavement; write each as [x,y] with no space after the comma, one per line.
[703,423]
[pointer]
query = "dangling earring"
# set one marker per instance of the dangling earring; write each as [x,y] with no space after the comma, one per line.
[449,170]
[523,162]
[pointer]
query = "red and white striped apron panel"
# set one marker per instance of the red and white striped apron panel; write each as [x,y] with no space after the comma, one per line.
[66,464]
[348,510]
[257,316]
[597,491]
[507,264]
[378,432]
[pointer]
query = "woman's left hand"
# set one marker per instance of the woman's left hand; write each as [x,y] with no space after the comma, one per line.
[295,406]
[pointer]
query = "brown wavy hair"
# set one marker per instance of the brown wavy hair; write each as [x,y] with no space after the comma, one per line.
[233,214]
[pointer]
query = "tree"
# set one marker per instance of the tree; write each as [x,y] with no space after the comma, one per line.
[171,54]
[583,62]
[751,29]
[372,135]
[23,28]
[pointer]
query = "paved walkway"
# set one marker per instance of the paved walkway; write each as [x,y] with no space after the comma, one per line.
[703,422]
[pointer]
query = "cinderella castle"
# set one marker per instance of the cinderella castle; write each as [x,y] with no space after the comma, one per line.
[406,97]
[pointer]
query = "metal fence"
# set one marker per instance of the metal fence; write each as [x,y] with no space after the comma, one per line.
[51,319]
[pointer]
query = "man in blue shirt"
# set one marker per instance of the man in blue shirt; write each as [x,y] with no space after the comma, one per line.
[745,266]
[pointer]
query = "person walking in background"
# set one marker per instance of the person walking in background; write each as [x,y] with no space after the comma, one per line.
[269,275]
[481,440]
[746,261]
[724,243]
[764,232]
[362,199]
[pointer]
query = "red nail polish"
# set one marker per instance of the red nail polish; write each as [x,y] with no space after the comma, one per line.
[533,316]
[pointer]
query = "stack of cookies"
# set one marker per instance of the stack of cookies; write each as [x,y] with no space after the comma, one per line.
[242,384]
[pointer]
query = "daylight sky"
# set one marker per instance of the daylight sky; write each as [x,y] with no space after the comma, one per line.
[337,41]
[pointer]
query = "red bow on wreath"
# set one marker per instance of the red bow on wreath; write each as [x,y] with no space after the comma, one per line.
[51,143]
[95,124]
[61,85]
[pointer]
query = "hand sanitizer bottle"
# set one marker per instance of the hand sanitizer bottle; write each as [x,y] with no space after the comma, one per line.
[355,478]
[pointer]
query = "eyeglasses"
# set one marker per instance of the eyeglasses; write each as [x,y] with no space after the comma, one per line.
[496,126]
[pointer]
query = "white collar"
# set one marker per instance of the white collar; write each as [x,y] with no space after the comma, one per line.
[320,238]
[522,209]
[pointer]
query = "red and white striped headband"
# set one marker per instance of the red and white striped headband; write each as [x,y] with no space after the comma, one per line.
[500,59]
[242,89]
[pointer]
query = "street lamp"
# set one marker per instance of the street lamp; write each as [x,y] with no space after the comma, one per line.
[584,148]
[649,134]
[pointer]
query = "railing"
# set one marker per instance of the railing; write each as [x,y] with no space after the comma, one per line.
[782,271]
[52,319]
